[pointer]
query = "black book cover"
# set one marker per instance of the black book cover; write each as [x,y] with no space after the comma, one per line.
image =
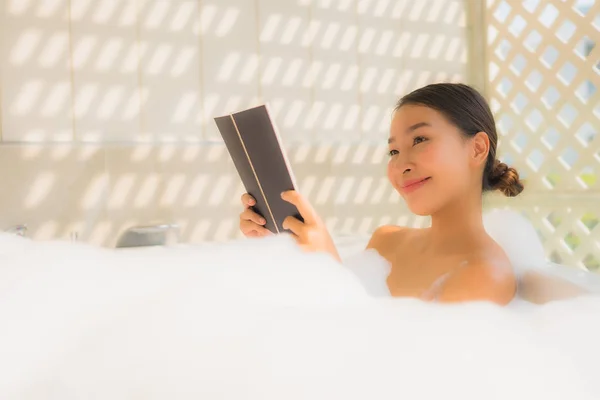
[255,147]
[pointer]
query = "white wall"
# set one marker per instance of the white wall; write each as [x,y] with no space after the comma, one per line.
[107,105]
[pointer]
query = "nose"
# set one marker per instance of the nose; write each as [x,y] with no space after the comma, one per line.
[402,164]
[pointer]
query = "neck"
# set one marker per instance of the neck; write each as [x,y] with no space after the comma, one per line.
[457,225]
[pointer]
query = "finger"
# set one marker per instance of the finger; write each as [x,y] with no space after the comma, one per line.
[293,236]
[249,215]
[251,234]
[256,234]
[294,225]
[248,227]
[303,206]
[248,201]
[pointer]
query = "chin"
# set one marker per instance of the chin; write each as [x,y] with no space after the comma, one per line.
[421,210]
[420,207]
[426,203]
[424,206]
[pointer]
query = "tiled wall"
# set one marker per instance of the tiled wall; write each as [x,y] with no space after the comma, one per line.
[107,105]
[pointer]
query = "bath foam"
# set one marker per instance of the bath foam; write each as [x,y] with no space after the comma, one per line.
[517,236]
[258,319]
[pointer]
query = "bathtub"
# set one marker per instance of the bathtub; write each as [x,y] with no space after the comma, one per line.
[258,319]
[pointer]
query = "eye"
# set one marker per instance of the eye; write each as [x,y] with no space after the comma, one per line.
[392,152]
[419,139]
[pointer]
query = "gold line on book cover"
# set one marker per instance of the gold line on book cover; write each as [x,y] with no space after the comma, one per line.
[254,172]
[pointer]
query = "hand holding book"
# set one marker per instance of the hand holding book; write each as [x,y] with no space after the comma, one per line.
[251,223]
[255,147]
[311,234]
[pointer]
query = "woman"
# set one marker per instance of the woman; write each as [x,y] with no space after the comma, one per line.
[442,157]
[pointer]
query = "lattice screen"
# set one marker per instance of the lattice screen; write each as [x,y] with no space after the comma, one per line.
[543,65]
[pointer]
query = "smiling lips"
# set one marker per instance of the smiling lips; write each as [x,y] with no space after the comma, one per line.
[413,184]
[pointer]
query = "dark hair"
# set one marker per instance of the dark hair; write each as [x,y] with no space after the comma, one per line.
[466,108]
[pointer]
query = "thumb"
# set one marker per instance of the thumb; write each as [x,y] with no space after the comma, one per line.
[303,206]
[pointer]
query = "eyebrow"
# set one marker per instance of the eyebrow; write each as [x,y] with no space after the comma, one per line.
[411,128]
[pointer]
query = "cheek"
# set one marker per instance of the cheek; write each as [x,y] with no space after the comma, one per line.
[391,172]
[429,156]
[433,159]
[442,160]
[394,174]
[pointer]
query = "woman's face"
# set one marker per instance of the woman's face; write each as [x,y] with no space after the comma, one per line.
[429,159]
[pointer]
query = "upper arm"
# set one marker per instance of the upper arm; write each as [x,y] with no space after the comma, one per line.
[539,288]
[479,281]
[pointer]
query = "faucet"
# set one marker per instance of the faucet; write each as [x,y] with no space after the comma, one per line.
[154,235]
[19,230]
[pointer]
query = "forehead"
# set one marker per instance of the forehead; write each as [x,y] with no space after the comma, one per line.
[409,115]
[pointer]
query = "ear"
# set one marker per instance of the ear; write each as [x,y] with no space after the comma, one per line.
[480,148]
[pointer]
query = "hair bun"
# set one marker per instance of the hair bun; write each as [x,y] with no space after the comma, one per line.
[506,179]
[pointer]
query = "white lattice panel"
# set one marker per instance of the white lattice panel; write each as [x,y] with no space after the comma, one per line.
[543,66]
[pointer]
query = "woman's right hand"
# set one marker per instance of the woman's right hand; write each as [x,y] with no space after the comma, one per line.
[252,224]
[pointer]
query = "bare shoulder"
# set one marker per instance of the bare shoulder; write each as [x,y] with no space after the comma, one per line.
[383,235]
[386,238]
[484,277]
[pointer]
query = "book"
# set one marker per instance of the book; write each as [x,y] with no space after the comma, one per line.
[255,147]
